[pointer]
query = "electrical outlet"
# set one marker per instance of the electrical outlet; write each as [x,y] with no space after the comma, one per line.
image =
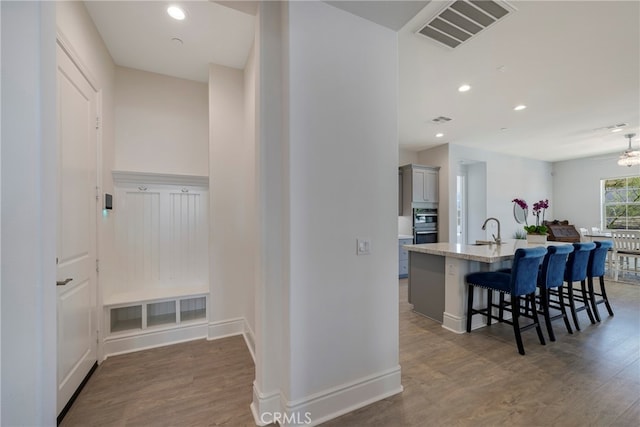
[363,246]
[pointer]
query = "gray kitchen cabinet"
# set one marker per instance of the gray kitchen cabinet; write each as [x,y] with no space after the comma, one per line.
[403,257]
[419,187]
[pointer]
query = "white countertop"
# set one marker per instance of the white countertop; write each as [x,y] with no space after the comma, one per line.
[481,253]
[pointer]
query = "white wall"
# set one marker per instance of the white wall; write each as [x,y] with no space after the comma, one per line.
[231,181]
[250,187]
[407,157]
[476,193]
[582,208]
[343,158]
[508,177]
[162,124]
[272,182]
[28,239]
[76,27]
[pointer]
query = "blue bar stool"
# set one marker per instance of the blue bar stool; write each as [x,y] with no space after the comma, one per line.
[576,271]
[596,268]
[520,283]
[551,276]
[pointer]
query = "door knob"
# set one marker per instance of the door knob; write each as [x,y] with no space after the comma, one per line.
[63,282]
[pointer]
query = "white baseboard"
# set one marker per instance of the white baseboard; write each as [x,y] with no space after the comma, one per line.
[264,406]
[454,323]
[115,345]
[150,338]
[249,339]
[226,328]
[332,403]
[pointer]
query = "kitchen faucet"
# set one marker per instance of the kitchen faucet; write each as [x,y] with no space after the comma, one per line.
[498,240]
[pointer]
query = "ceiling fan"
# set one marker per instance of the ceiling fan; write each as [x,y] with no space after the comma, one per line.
[630,157]
[630,153]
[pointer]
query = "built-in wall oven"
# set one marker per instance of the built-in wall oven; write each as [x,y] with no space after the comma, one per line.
[425,226]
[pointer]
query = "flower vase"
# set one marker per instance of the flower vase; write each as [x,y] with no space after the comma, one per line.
[536,239]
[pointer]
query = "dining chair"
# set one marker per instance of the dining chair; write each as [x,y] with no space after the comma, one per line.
[583,234]
[576,271]
[596,269]
[551,276]
[626,248]
[519,284]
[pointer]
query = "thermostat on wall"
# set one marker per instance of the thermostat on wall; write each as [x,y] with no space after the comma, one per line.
[108,201]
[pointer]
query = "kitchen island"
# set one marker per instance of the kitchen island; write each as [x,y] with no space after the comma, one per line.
[437,287]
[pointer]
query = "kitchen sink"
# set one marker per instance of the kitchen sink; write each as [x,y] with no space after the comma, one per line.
[482,243]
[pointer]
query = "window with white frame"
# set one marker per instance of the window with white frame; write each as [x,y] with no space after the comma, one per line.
[621,203]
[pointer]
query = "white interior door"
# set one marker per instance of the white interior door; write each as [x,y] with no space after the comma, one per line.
[76,251]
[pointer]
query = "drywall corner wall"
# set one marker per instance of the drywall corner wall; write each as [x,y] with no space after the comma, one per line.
[583,208]
[162,124]
[271,184]
[232,210]
[250,185]
[28,241]
[343,159]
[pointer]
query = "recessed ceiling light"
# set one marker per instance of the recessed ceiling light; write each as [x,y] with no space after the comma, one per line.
[617,130]
[464,88]
[520,107]
[176,13]
[439,135]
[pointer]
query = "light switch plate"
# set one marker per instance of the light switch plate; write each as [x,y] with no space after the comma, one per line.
[363,246]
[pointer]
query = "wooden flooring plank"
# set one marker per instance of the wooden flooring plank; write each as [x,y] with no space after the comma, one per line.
[589,378]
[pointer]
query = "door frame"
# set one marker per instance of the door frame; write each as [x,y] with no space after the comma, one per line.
[66,46]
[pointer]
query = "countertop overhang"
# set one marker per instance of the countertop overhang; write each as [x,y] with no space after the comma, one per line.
[482,253]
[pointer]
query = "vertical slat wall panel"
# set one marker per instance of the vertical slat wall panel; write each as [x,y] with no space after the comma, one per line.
[161,238]
[188,236]
[142,217]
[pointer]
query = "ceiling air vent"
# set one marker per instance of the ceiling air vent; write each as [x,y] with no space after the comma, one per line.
[441,119]
[463,19]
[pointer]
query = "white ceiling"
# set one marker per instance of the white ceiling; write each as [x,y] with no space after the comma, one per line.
[139,35]
[575,64]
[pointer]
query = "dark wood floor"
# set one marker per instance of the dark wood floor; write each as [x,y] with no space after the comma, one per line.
[198,383]
[591,378]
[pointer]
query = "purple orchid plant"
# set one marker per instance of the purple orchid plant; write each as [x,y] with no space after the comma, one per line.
[539,208]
